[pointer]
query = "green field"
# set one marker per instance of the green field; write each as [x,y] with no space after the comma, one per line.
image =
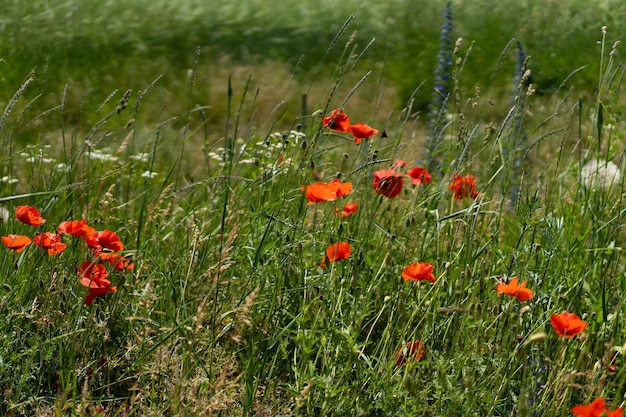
[96,47]
[194,139]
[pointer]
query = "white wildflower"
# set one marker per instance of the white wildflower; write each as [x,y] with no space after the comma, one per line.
[141,157]
[101,156]
[4,214]
[600,174]
[293,134]
[215,156]
[61,167]
[9,180]
[149,174]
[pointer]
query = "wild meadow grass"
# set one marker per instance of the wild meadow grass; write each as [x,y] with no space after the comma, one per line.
[94,47]
[234,305]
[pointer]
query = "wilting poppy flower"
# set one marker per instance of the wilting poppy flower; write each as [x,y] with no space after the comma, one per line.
[513,289]
[419,271]
[51,242]
[76,228]
[596,409]
[419,176]
[105,239]
[16,242]
[119,262]
[29,215]
[337,121]
[348,209]
[337,252]
[361,131]
[410,351]
[388,182]
[567,324]
[463,187]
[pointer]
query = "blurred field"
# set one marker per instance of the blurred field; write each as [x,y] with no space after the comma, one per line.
[99,46]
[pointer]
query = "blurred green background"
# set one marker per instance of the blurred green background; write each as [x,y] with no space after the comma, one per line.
[98,46]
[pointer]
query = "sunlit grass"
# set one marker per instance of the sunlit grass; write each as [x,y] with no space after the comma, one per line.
[231,308]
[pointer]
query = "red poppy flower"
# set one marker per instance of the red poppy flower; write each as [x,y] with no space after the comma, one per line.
[105,239]
[98,289]
[463,187]
[388,182]
[596,409]
[567,324]
[321,191]
[93,276]
[337,121]
[342,189]
[29,215]
[16,242]
[76,228]
[92,272]
[419,176]
[51,242]
[410,351]
[419,271]
[119,262]
[361,131]
[337,252]
[348,209]
[513,289]
[318,192]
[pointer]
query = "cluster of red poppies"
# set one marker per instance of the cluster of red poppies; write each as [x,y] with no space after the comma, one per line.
[564,324]
[419,271]
[388,182]
[339,122]
[105,245]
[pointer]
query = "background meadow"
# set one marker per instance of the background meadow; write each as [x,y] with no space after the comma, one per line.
[189,130]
